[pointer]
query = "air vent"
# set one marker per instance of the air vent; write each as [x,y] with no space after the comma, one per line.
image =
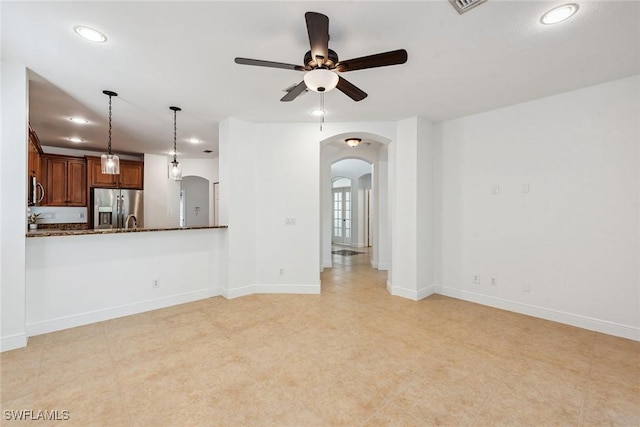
[207,151]
[463,6]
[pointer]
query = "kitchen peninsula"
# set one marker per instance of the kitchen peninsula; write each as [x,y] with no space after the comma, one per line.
[98,275]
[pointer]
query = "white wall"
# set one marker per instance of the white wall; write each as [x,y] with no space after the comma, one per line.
[269,173]
[205,168]
[287,185]
[411,202]
[238,206]
[575,236]
[156,189]
[162,195]
[13,203]
[70,281]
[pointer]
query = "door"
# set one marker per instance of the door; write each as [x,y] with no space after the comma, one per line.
[342,215]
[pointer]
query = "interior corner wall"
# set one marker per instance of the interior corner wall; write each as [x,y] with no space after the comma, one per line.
[13,195]
[544,197]
[425,247]
[238,206]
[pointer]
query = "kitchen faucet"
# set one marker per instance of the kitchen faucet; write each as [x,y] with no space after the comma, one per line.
[135,221]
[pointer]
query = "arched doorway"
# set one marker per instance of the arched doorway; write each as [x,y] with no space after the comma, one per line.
[369,227]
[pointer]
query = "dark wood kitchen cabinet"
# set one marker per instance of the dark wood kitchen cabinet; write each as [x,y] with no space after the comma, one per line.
[66,180]
[131,175]
[35,152]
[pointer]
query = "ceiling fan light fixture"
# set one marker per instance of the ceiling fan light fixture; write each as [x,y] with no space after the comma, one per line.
[321,80]
[353,142]
[79,120]
[559,14]
[318,112]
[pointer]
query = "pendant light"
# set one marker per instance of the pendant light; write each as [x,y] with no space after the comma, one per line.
[175,169]
[110,162]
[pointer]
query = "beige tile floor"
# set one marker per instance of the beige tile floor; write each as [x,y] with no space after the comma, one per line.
[352,356]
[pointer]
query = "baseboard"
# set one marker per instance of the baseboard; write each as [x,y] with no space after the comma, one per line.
[592,324]
[270,289]
[374,264]
[288,289]
[12,342]
[58,324]
[383,266]
[412,294]
[327,264]
[238,292]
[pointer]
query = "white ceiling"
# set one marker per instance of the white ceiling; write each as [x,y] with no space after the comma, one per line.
[181,53]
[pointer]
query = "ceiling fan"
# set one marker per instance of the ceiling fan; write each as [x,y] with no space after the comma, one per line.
[321,64]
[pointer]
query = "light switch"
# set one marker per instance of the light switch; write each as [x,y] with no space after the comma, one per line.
[495,189]
[525,188]
[290,221]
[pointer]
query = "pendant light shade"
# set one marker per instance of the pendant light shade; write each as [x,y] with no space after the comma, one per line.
[175,168]
[321,80]
[110,163]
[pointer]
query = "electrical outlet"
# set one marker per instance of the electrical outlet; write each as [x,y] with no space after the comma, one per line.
[156,284]
[494,281]
[476,278]
[526,287]
[282,271]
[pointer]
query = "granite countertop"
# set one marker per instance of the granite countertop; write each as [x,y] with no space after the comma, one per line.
[62,232]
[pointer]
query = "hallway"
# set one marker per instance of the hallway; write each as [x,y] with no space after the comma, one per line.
[353,355]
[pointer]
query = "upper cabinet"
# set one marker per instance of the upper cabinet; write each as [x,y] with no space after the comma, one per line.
[35,152]
[66,180]
[131,175]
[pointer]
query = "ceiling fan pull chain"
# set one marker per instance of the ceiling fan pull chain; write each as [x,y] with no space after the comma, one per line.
[322,109]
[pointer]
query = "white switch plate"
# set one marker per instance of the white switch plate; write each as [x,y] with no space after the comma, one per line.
[495,189]
[290,221]
[525,188]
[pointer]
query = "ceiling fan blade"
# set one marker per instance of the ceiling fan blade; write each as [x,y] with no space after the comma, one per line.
[372,61]
[318,29]
[350,90]
[293,93]
[270,64]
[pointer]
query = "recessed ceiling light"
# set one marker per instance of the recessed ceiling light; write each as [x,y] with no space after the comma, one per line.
[317,112]
[559,14]
[194,140]
[79,120]
[90,34]
[75,139]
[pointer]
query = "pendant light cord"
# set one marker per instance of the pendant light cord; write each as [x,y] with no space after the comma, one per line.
[175,133]
[109,125]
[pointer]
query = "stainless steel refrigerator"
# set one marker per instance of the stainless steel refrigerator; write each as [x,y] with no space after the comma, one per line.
[117,208]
